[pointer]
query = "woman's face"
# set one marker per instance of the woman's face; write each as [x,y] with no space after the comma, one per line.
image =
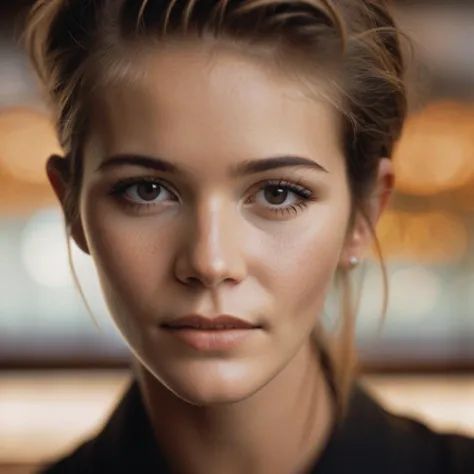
[213,186]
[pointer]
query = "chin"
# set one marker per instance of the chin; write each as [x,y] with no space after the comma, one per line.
[210,383]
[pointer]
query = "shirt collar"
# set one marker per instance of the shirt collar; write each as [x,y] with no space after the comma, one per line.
[361,443]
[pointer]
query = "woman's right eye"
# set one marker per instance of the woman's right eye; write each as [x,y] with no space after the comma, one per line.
[143,192]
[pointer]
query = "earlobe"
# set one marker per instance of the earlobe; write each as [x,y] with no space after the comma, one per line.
[354,261]
[356,243]
[57,170]
[362,232]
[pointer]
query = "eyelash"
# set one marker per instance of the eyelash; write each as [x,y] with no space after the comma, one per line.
[304,194]
[120,188]
[124,184]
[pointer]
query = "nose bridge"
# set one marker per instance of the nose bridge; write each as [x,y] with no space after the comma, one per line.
[211,253]
[210,233]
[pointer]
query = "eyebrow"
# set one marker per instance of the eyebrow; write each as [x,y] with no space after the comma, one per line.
[267,164]
[158,164]
[242,169]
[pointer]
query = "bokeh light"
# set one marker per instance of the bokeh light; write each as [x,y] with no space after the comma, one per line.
[436,151]
[424,237]
[44,251]
[27,139]
[414,292]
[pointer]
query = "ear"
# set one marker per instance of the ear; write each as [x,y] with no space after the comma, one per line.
[57,169]
[360,235]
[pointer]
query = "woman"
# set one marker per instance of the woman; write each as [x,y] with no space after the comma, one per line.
[226,162]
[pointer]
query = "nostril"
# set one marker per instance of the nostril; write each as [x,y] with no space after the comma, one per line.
[193,281]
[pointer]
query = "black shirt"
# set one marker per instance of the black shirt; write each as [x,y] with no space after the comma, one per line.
[368,441]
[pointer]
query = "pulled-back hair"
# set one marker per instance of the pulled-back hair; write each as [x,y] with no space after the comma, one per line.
[78,46]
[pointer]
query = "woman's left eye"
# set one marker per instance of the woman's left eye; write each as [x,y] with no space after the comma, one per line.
[281,195]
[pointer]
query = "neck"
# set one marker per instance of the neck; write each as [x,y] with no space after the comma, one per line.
[282,428]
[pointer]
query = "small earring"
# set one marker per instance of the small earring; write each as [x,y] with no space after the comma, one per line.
[354,261]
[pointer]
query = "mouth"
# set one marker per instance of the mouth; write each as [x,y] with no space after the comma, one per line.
[210,334]
[221,323]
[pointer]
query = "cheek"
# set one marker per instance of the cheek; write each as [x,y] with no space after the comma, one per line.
[131,255]
[302,259]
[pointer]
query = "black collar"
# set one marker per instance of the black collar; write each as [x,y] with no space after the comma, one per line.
[368,441]
[127,444]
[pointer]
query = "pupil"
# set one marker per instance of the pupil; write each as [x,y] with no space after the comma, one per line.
[276,195]
[148,191]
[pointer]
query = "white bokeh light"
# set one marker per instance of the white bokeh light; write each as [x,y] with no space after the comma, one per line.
[44,256]
[371,297]
[44,250]
[414,292]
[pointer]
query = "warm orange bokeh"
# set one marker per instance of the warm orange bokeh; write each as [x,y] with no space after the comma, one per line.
[27,139]
[436,151]
[426,238]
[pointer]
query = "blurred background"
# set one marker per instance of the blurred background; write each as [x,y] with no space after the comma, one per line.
[420,361]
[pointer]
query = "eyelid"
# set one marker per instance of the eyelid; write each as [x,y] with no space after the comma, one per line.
[119,190]
[295,187]
[121,186]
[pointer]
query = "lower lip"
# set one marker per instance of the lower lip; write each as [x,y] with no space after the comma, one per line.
[211,340]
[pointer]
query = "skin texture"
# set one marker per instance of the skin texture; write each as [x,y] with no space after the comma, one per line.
[212,243]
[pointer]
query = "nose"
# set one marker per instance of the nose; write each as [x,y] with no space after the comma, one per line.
[211,251]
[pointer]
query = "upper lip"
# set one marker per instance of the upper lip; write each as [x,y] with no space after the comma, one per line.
[202,322]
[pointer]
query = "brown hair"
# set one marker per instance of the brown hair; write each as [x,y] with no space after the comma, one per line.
[357,38]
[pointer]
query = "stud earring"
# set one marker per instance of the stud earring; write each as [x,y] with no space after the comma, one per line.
[354,261]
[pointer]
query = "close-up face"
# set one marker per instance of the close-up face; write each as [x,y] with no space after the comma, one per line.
[213,186]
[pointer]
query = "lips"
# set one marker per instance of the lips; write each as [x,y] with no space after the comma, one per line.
[220,323]
[211,335]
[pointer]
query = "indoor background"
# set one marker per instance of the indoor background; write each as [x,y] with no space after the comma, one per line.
[419,361]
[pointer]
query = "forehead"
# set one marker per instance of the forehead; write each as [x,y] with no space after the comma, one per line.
[192,101]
